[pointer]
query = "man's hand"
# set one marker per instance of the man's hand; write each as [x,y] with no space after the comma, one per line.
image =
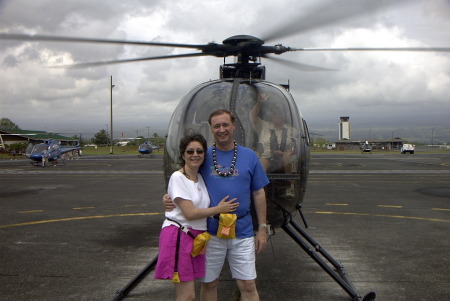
[260,240]
[168,203]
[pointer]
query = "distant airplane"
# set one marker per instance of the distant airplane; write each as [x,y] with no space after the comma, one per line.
[50,151]
[146,148]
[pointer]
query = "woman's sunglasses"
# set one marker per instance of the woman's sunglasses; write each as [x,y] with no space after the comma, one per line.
[191,151]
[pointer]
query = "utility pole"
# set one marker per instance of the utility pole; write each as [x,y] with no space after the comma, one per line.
[111,150]
[432,138]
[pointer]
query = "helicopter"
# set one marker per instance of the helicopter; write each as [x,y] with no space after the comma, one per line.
[48,152]
[238,89]
[146,148]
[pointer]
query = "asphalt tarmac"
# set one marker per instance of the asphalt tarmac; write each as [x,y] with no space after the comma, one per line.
[82,231]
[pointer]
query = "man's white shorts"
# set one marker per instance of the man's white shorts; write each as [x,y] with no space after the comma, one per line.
[240,253]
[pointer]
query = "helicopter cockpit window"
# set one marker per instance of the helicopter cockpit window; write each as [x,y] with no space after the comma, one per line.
[267,120]
[39,148]
[191,115]
[53,147]
[278,137]
[203,103]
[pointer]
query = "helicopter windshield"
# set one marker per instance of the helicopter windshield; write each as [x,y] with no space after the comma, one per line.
[53,147]
[145,146]
[267,119]
[40,148]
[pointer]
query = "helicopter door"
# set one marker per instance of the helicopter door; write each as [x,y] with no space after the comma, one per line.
[53,151]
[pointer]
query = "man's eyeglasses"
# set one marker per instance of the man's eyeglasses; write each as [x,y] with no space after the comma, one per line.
[192,151]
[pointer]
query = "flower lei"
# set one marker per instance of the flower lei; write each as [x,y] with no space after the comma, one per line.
[233,162]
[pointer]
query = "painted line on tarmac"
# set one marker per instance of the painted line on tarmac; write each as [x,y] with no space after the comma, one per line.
[80,208]
[83,208]
[383,171]
[80,172]
[75,219]
[31,211]
[141,205]
[385,215]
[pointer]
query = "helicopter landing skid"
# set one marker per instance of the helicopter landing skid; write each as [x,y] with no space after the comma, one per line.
[151,156]
[339,275]
[120,294]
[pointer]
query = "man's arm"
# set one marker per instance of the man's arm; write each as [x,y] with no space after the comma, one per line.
[254,112]
[168,203]
[259,200]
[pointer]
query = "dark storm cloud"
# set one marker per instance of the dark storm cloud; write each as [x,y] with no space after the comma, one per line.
[374,89]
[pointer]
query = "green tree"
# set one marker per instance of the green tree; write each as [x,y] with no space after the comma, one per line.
[79,138]
[157,140]
[319,141]
[6,123]
[18,147]
[101,138]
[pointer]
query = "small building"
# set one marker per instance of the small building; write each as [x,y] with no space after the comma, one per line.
[375,144]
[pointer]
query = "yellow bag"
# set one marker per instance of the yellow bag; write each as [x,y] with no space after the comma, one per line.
[176,278]
[199,244]
[227,225]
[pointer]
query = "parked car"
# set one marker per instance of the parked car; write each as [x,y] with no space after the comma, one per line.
[407,148]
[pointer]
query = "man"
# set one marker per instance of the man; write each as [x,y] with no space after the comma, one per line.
[277,139]
[231,169]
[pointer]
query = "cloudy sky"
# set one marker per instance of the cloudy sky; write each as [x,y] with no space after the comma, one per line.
[401,94]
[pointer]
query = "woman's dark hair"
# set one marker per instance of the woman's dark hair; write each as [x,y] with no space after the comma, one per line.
[184,142]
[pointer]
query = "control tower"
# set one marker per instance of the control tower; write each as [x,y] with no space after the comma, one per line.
[344,128]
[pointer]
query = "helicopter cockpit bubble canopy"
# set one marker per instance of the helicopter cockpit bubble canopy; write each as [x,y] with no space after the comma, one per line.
[267,121]
[39,148]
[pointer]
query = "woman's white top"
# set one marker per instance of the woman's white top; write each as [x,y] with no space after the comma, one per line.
[182,187]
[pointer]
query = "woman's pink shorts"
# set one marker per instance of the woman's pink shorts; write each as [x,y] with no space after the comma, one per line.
[189,268]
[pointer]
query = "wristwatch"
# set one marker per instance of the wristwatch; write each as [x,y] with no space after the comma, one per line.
[263,226]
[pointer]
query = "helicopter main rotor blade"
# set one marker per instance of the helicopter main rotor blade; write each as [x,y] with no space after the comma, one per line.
[306,67]
[37,38]
[94,64]
[296,65]
[328,13]
[419,49]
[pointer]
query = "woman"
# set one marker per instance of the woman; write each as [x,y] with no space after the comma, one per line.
[188,191]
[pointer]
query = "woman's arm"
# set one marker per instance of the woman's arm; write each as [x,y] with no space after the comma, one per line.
[190,212]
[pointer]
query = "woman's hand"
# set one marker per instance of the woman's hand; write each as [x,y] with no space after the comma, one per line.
[226,205]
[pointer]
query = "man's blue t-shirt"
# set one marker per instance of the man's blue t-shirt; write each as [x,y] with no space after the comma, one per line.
[248,176]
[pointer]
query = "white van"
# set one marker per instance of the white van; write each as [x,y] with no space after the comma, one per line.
[407,148]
